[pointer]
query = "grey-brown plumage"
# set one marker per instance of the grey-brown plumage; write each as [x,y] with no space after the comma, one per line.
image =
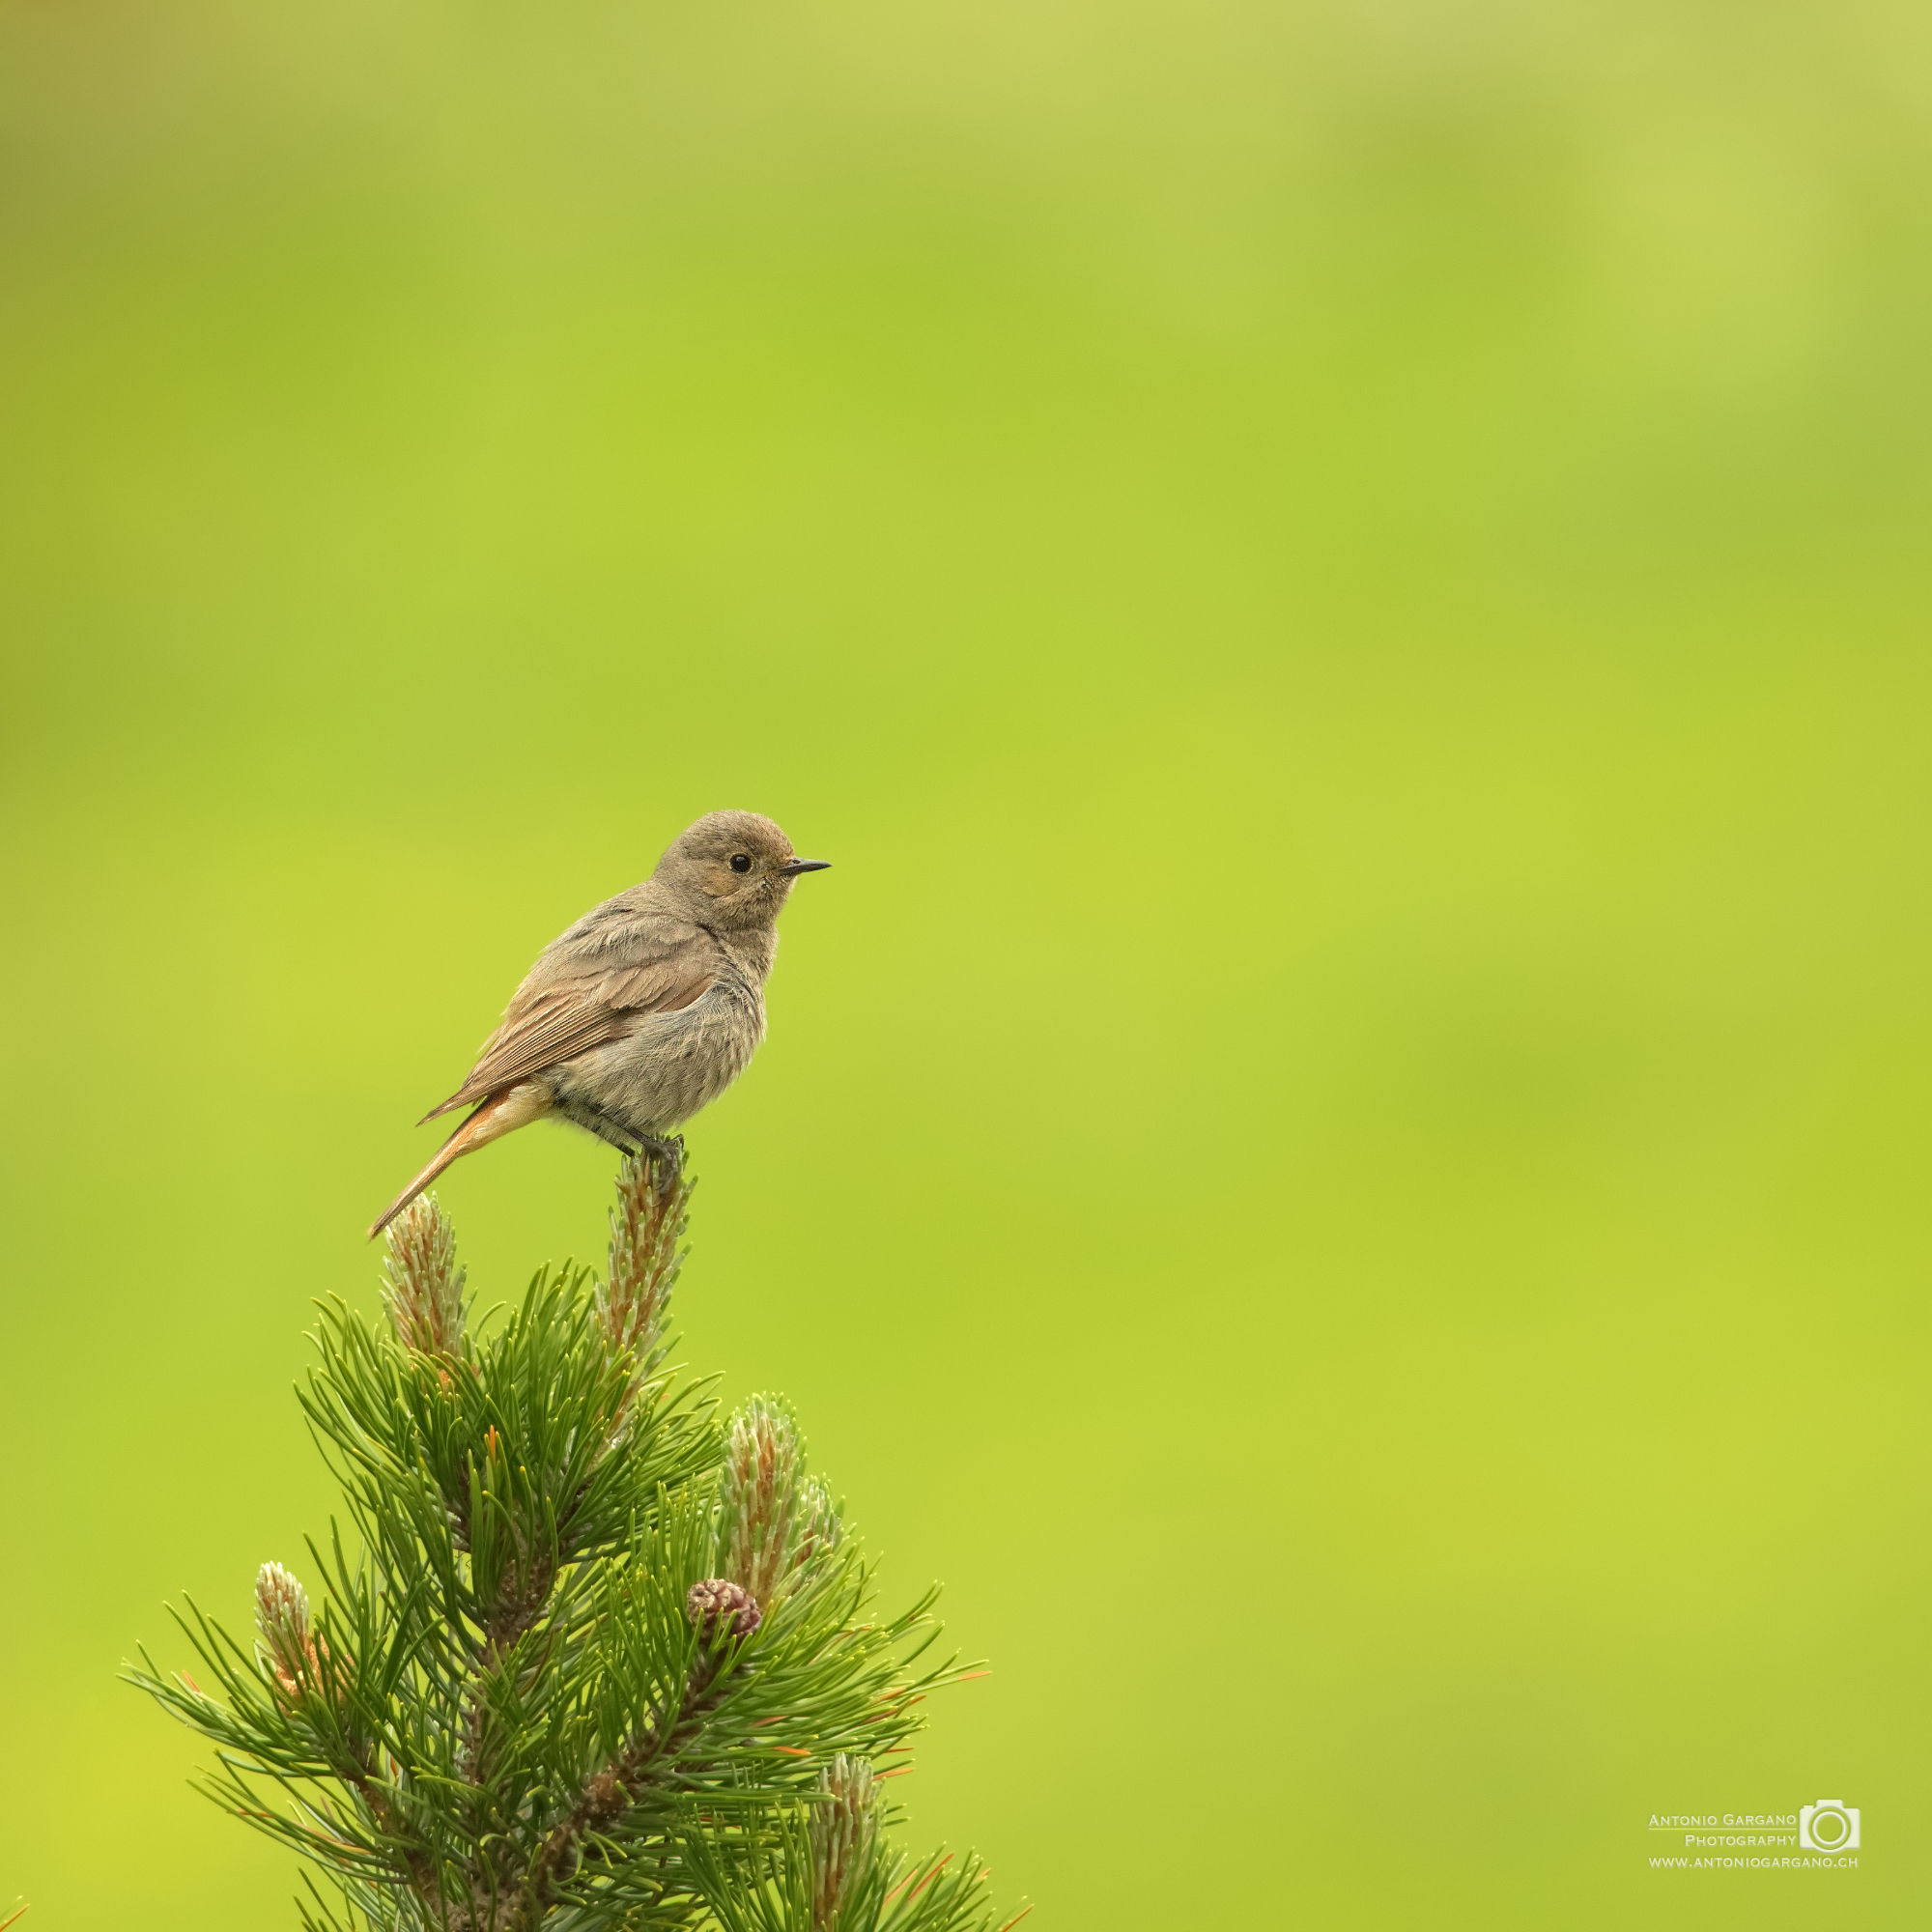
[646,1009]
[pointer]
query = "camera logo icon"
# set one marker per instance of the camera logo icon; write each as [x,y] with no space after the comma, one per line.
[1828,1826]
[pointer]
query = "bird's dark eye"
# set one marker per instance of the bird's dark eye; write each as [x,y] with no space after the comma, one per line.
[741,861]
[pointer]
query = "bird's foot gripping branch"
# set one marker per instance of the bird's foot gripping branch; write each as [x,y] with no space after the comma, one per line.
[585,1656]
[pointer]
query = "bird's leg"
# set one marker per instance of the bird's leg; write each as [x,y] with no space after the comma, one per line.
[662,1155]
[594,1121]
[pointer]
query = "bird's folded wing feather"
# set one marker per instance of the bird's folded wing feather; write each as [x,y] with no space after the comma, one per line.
[568,1005]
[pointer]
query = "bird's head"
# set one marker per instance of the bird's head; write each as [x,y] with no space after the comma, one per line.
[735,868]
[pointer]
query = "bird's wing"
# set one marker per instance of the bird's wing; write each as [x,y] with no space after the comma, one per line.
[578,997]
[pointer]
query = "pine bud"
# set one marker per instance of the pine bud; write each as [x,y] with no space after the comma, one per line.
[819,1528]
[423,1293]
[281,1615]
[646,1226]
[845,1823]
[762,1467]
[718,1603]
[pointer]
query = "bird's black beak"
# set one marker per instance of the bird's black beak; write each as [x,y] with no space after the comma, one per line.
[792,868]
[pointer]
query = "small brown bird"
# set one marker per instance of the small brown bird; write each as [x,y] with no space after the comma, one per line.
[646,1009]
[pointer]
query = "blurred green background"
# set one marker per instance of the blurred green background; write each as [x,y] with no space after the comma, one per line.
[1342,1153]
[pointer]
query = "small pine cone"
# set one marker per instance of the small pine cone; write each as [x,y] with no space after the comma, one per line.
[717,1603]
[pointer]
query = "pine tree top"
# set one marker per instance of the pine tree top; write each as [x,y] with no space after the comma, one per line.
[580,1655]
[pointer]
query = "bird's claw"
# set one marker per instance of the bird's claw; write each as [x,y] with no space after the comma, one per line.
[665,1157]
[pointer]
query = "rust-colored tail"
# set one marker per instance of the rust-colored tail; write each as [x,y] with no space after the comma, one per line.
[501,1114]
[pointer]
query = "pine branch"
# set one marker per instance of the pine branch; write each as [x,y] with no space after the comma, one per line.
[577,1659]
